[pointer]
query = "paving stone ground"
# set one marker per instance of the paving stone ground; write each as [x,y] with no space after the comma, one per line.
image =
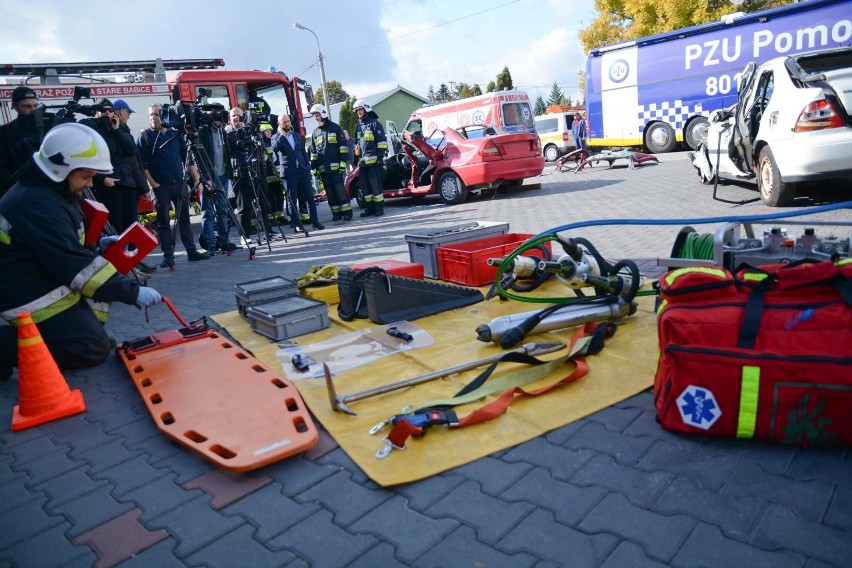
[104,488]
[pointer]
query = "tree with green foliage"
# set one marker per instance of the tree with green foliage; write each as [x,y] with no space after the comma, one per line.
[462,91]
[556,97]
[443,94]
[618,20]
[430,94]
[336,93]
[491,87]
[347,119]
[476,90]
[504,80]
[540,108]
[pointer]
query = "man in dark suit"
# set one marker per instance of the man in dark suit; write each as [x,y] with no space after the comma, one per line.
[295,171]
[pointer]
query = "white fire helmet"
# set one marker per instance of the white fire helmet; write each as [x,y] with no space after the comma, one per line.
[361,104]
[320,109]
[71,146]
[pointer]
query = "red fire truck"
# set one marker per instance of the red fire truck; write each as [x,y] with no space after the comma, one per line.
[164,81]
[142,83]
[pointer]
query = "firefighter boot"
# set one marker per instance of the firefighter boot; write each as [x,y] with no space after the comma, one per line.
[347,215]
[368,210]
[379,208]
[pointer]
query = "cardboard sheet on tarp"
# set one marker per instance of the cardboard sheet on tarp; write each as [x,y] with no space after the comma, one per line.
[624,368]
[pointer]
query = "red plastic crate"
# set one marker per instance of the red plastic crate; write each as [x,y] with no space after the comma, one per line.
[465,263]
[396,267]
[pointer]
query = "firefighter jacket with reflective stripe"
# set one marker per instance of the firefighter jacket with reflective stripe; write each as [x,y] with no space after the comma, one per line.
[328,148]
[371,139]
[271,160]
[45,267]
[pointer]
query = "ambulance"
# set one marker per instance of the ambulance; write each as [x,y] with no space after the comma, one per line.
[507,110]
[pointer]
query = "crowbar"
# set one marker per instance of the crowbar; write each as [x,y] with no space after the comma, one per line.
[339,402]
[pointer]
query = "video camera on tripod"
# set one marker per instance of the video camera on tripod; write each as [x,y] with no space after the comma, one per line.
[257,114]
[187,117]
[67,111]
[249,139]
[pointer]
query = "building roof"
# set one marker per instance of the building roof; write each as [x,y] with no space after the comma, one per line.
[375,99]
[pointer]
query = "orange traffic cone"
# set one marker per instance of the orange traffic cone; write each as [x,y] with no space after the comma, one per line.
[43,394]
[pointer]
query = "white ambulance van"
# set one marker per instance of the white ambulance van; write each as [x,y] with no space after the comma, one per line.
[507,110]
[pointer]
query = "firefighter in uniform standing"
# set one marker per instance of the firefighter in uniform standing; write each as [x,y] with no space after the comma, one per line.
[46,269]
[328,153]
[273,182]
[371,149]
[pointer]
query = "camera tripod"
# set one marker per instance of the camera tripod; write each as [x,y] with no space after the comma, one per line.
[247,174]
[198,153]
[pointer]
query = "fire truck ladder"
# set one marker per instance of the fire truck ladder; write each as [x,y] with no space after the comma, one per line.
[50,72]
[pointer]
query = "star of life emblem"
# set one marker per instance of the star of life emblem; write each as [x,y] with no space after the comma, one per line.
[698,407]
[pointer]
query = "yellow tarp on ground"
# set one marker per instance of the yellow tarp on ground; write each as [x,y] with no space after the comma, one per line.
[625,367]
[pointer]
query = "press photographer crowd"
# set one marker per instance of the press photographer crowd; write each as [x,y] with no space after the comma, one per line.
[248,171]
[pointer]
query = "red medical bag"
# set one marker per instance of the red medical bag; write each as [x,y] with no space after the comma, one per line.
[765,353]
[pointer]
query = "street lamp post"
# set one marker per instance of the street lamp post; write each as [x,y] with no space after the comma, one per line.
[298,26]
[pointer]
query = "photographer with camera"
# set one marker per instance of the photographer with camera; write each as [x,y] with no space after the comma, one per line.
[46,269]
[214,200]
[119,191]
[22,136]
[163,154]
[249,177]
[242,193]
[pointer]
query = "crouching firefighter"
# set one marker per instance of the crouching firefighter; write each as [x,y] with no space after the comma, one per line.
[46,269]
[371,149]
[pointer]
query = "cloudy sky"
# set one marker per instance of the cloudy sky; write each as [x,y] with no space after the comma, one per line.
[368,45]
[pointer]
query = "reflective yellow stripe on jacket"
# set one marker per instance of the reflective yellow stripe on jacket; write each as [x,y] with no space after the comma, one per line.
[56,301]
[86,282]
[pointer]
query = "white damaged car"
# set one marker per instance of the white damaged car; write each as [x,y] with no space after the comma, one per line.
[791,124]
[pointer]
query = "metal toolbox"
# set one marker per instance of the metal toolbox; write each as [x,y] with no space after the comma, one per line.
[261,291]
[288,317]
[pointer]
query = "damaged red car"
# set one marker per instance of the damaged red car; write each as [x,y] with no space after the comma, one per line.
[452,163]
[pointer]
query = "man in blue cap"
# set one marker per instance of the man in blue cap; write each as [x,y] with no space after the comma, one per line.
[121,196]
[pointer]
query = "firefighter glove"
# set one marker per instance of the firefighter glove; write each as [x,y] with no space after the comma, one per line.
[105,242]
[148,297]
[342,167]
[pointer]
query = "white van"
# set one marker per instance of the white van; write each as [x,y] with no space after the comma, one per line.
[554,131]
